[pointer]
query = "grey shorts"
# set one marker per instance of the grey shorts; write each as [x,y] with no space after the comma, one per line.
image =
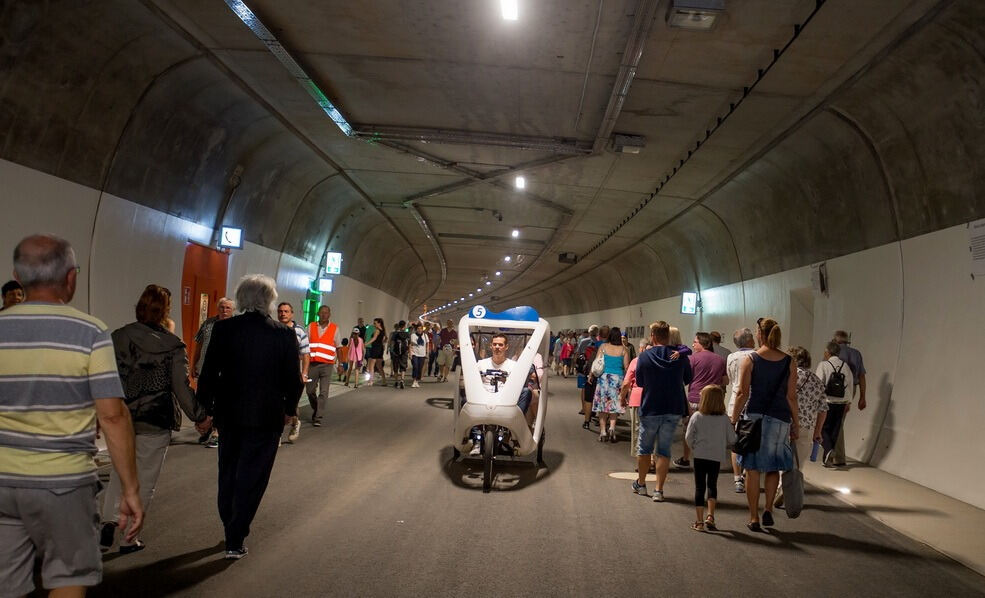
[445,358]
[59,526]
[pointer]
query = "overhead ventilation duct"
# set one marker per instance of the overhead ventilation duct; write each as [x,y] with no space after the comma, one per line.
[696,15]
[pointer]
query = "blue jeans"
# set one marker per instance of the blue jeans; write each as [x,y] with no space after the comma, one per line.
[416,363]
[657,431]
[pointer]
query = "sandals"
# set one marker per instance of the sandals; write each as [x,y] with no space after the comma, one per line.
[698,526]
[710,524]
[754,526]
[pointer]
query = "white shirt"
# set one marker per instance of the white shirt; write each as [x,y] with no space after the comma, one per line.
[487,364]
[732,365]
[824,371]
[418,350]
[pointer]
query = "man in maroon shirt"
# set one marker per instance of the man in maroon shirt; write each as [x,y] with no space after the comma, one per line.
[446,349]
[708,368]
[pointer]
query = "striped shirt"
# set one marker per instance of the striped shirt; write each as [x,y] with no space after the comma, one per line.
[303,346]
[54,361]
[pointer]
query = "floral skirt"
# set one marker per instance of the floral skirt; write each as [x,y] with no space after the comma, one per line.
[606,398]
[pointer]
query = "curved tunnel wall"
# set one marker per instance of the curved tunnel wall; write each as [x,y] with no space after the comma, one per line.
[122,246]
[144,115]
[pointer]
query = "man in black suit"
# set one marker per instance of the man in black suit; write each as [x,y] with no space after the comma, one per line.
[251,381]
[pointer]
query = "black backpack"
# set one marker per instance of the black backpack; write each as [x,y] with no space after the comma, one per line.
[400,343]
[836,383]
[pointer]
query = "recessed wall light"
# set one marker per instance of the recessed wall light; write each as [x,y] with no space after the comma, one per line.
[511,9]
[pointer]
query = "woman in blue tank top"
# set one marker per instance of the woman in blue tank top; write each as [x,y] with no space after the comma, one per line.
[767,391]
[606,400]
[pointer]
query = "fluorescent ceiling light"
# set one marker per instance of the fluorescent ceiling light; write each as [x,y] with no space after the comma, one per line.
[511,9]
[280,52]
[520,182]
[516,233]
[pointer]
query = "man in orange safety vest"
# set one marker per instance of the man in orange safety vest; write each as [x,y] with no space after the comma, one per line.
[323,341]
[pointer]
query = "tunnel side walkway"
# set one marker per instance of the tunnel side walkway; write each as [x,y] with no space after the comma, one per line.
[371,504]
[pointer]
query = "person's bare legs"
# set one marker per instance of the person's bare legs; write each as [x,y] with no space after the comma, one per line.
[68,592]
[663,466]
[586,407]
[772,482]
[613,418]
[711,507]
[642,466]
[736,469]
[371,368]
[603,419]
[752,494]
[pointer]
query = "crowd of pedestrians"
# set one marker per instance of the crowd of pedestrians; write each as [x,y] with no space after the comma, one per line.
[705,390]
[247,374]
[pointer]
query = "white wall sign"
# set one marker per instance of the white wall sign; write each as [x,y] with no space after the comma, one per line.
[230,236]
[976,246]
[333,263]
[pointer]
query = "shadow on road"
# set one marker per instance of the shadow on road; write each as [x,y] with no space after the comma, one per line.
[508,474]
[439,403]
[164,577]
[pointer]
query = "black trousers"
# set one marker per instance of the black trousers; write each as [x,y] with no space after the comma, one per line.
[246,458]
[705,476]
[832,426]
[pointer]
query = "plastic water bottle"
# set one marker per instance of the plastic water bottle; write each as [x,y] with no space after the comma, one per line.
[815,450]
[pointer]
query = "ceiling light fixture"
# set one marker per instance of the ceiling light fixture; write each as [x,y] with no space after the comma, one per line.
[521,183]
[479,290]
[507,259]
[511,9]
[695,15]
[516,233]
[498,273]
[280,52]
[471,295]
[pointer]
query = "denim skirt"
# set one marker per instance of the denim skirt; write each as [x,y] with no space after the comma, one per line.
[774,452]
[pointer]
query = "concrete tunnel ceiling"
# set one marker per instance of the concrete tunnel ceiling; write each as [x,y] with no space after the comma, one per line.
[791,133]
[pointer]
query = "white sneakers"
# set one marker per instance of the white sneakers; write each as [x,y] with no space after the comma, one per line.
[415,385]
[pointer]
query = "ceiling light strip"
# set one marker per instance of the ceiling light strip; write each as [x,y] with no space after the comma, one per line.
[732,107]
[280,52]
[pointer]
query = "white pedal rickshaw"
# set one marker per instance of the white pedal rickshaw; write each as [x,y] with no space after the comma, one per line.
[486,402]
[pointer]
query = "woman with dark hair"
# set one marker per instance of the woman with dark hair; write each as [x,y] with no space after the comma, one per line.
[375,340]
[606,401]
[767,391]
[153,367]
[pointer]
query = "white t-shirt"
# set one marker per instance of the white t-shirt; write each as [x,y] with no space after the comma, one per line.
[824,371]
[732,365]
[418,350]
[487,364]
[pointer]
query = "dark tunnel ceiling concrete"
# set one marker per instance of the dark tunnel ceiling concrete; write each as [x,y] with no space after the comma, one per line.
[867,129]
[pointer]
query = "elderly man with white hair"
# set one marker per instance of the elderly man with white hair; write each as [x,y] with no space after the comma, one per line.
[251,380]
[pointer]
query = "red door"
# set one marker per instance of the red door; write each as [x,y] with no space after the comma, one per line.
[203,282]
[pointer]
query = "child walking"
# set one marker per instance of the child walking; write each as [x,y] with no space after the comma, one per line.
[710,435]
[355,357]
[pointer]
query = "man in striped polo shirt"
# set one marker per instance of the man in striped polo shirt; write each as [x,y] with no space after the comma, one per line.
[57,378]
[285,315]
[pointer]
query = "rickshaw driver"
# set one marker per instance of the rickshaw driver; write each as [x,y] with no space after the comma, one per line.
[492,382]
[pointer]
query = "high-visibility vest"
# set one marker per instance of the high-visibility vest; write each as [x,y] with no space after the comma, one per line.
[322,347]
